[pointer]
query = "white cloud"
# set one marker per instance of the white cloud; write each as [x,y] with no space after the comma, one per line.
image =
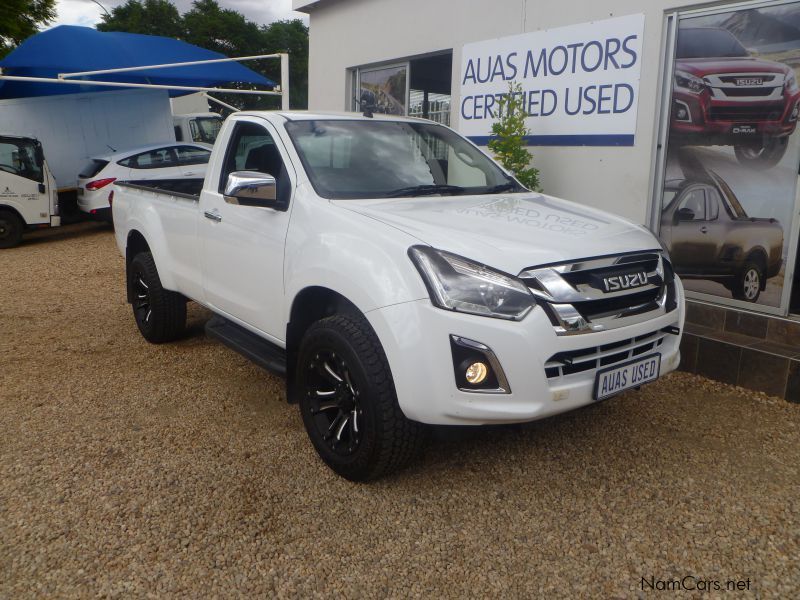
[87,13]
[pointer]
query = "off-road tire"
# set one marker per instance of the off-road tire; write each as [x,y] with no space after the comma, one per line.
[748,283]
[11,228]
[386,439]
[762,157]
[160,314]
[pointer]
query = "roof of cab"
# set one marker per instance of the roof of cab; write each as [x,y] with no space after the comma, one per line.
[304,115]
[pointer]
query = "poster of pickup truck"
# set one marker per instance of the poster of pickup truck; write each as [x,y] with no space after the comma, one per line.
[731,174]
[723,95]
[710,236]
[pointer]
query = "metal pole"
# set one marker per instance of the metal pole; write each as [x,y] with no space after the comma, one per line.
[168,65]
[152,86]
[284,81]
[220,102]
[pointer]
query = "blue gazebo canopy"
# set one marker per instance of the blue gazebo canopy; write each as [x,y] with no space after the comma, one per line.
[71,49]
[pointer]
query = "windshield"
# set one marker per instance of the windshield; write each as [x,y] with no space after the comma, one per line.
[708,42]
[382,159]
[206,129]
[21,156]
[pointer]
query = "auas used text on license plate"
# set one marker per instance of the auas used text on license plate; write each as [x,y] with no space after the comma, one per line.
[614,380]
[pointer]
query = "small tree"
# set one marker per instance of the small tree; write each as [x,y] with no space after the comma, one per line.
[508,138]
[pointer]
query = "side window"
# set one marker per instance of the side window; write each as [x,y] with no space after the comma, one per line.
[127,162]
[178,134]
[712,204]
[694,201]
[20,158]
[252,149]
[196,137]
[154,159]
[189,155]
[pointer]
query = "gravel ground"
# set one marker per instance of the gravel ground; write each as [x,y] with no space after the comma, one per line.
[134,470]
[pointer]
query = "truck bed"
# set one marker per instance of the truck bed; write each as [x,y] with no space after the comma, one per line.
[185,188]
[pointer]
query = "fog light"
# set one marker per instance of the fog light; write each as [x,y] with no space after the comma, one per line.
[682,114]
[476,373]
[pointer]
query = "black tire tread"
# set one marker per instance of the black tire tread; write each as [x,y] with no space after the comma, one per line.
[738,286]
[169,308]
[401,438]
[18,226]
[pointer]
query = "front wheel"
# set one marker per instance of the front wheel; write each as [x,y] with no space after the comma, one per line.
[348,401]
[160,314]
[761,155]
[747,286]
[11,227]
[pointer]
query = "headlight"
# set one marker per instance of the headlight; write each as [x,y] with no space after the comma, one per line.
[455,283]
[790,83]
[689,82]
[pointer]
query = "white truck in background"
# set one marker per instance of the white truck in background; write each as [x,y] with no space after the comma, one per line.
[72,128]
[28,196]
[197,127]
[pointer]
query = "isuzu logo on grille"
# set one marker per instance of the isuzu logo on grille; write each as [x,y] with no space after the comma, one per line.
[615,283]
[749,81]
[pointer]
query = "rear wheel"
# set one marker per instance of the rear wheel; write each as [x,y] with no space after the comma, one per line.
[11,227]
[160,314]
[748,283]
[348,401]
[763,154]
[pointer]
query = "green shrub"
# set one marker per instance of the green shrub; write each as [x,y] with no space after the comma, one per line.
[508,138]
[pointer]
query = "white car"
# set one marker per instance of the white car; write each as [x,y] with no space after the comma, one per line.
[185,160]
[397,276]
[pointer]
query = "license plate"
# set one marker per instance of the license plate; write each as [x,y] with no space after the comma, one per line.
[616,379]
[744,129]
[750,81]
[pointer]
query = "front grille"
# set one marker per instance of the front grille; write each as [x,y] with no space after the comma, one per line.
[588,359]
[747,92]
[576,298]
[768,112]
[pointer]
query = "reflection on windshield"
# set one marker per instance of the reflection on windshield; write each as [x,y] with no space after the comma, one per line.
[208,129]
[20,157]
[348,159]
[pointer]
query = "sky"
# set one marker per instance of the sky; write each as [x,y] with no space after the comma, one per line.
[87,13]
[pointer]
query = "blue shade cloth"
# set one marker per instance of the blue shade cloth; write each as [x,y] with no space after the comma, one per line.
[70,49]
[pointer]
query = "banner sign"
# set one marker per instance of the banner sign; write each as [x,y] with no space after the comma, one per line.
[580,83]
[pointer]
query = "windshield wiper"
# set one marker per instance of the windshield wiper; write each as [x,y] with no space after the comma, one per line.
[426,190]
[503,187]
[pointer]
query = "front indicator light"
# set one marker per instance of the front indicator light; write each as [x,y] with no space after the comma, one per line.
[476,373]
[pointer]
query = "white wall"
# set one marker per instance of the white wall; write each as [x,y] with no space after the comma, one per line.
[349,33]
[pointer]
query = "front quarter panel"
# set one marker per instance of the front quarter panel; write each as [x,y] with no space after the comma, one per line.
[362,259]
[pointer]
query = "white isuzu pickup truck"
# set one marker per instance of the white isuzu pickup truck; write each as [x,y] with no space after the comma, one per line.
[397,276]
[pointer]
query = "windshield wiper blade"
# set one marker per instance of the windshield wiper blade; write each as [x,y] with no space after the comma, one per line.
[504,187]
[426,190]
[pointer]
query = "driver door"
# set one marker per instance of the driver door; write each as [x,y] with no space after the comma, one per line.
[243,246]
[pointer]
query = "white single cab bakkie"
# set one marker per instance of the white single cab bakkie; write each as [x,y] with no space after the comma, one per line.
[397,276]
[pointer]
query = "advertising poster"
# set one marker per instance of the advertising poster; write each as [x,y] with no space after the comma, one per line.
[384,90]
[733,152]
[580,83]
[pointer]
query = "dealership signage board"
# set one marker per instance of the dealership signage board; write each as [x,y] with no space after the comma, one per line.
[580,83]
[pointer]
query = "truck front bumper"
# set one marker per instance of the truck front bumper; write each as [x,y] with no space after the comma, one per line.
[416,340]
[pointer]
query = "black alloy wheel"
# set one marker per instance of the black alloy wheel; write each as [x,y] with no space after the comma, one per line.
[334,402]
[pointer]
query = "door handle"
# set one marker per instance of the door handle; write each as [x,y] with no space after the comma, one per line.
[704,229]
[213,214]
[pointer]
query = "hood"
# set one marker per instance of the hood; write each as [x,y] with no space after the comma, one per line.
[508,232]
[714,66]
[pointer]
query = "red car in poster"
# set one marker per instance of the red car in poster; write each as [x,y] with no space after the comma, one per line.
[724,96]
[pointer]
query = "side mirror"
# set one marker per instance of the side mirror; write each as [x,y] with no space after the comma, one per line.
[684,214]
[251,188]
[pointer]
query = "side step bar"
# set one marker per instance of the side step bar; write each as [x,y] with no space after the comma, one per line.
[260,351]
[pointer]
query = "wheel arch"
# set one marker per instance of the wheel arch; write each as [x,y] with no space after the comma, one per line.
[309,305]
[16,212]
[135,244]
